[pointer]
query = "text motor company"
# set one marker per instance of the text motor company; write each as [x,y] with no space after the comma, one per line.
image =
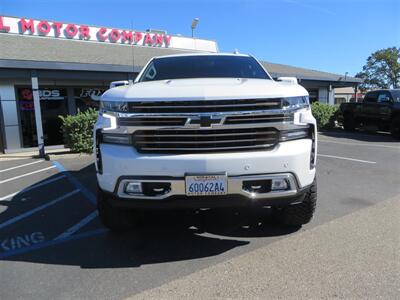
[81,32]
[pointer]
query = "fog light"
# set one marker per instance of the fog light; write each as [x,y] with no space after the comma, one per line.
[133,188]
[279,184]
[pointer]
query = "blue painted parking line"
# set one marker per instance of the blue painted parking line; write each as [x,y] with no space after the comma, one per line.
[77,226]
[88,194]
[39,208]
[52,243]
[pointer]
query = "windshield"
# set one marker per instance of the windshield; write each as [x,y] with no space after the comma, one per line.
[207,66]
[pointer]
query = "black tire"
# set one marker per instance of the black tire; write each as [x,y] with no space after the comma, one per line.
[301,213]
[395,127]
[114,218]
[349,124]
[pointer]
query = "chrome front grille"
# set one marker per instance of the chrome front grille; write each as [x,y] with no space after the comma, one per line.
[204,140]
[202,126]
[204,106]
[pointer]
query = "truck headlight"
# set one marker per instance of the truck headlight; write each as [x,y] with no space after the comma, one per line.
[116,106]
[295,102]
[116,138]
[301,133]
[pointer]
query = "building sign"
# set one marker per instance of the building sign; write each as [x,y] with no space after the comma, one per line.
[81,32]
[72,31]
[25,96]
[88,97]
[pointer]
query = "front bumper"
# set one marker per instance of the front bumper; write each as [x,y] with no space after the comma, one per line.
[290,159]
[199,202]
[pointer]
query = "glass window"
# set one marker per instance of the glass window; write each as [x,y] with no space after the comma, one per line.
[88,97]
[207,66]
[396,95]
[384,97]
[53,102]
[313,95]
[371,97]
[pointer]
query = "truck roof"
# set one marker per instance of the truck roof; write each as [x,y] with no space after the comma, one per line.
[203,54]
[383,90]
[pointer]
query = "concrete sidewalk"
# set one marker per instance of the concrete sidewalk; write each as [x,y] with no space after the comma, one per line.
[353,257]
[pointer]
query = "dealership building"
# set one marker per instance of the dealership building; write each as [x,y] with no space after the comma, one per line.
[71,65]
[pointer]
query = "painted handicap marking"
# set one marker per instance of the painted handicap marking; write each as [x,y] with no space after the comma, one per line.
[32,187]
[21,241]
[33,196]
[55,210]
[58,222]
[88,194]
[37,209]
[50,243]
[86,220]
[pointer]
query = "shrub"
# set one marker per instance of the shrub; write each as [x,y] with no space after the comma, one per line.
[78,130]
[325,114]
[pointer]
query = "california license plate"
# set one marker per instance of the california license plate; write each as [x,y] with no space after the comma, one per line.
[206,185]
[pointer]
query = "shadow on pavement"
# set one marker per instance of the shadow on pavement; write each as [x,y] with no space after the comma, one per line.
[362,135]
[163,237]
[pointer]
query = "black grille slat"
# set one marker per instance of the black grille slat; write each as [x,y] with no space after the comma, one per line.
[248,119]
[204,140]
[139,121]
[204,106]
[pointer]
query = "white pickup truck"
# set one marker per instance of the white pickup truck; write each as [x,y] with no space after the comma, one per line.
[201,131]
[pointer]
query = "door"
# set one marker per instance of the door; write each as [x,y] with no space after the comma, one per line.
[383,109]
[367,110]
[53,103]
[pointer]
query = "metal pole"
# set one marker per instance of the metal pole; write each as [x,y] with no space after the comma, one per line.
[355,93]
[192,32]
[38,113]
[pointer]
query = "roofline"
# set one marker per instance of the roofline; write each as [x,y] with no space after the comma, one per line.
[316,78]
[327,77]
[71,66]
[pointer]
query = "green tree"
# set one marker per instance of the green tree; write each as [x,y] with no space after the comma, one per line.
[382,70]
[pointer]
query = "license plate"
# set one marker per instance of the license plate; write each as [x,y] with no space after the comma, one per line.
[206,185]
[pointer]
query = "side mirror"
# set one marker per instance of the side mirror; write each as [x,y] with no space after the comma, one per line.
[118,83]
[292,80]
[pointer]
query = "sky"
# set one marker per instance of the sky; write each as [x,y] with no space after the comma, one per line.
[328,35]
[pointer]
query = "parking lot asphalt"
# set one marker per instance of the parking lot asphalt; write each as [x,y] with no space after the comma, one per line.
[52,244]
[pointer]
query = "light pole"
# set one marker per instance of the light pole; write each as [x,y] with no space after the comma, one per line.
[194,24]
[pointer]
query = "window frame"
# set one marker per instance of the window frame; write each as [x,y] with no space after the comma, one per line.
[371,93]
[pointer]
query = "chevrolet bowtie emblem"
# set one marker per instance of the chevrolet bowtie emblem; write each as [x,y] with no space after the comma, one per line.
[204,121]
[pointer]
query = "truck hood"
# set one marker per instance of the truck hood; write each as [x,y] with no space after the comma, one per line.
[204,89]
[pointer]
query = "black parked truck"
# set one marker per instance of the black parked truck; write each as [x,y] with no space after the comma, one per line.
[380,108]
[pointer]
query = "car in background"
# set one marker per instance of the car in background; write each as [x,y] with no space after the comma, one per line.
[380,108]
